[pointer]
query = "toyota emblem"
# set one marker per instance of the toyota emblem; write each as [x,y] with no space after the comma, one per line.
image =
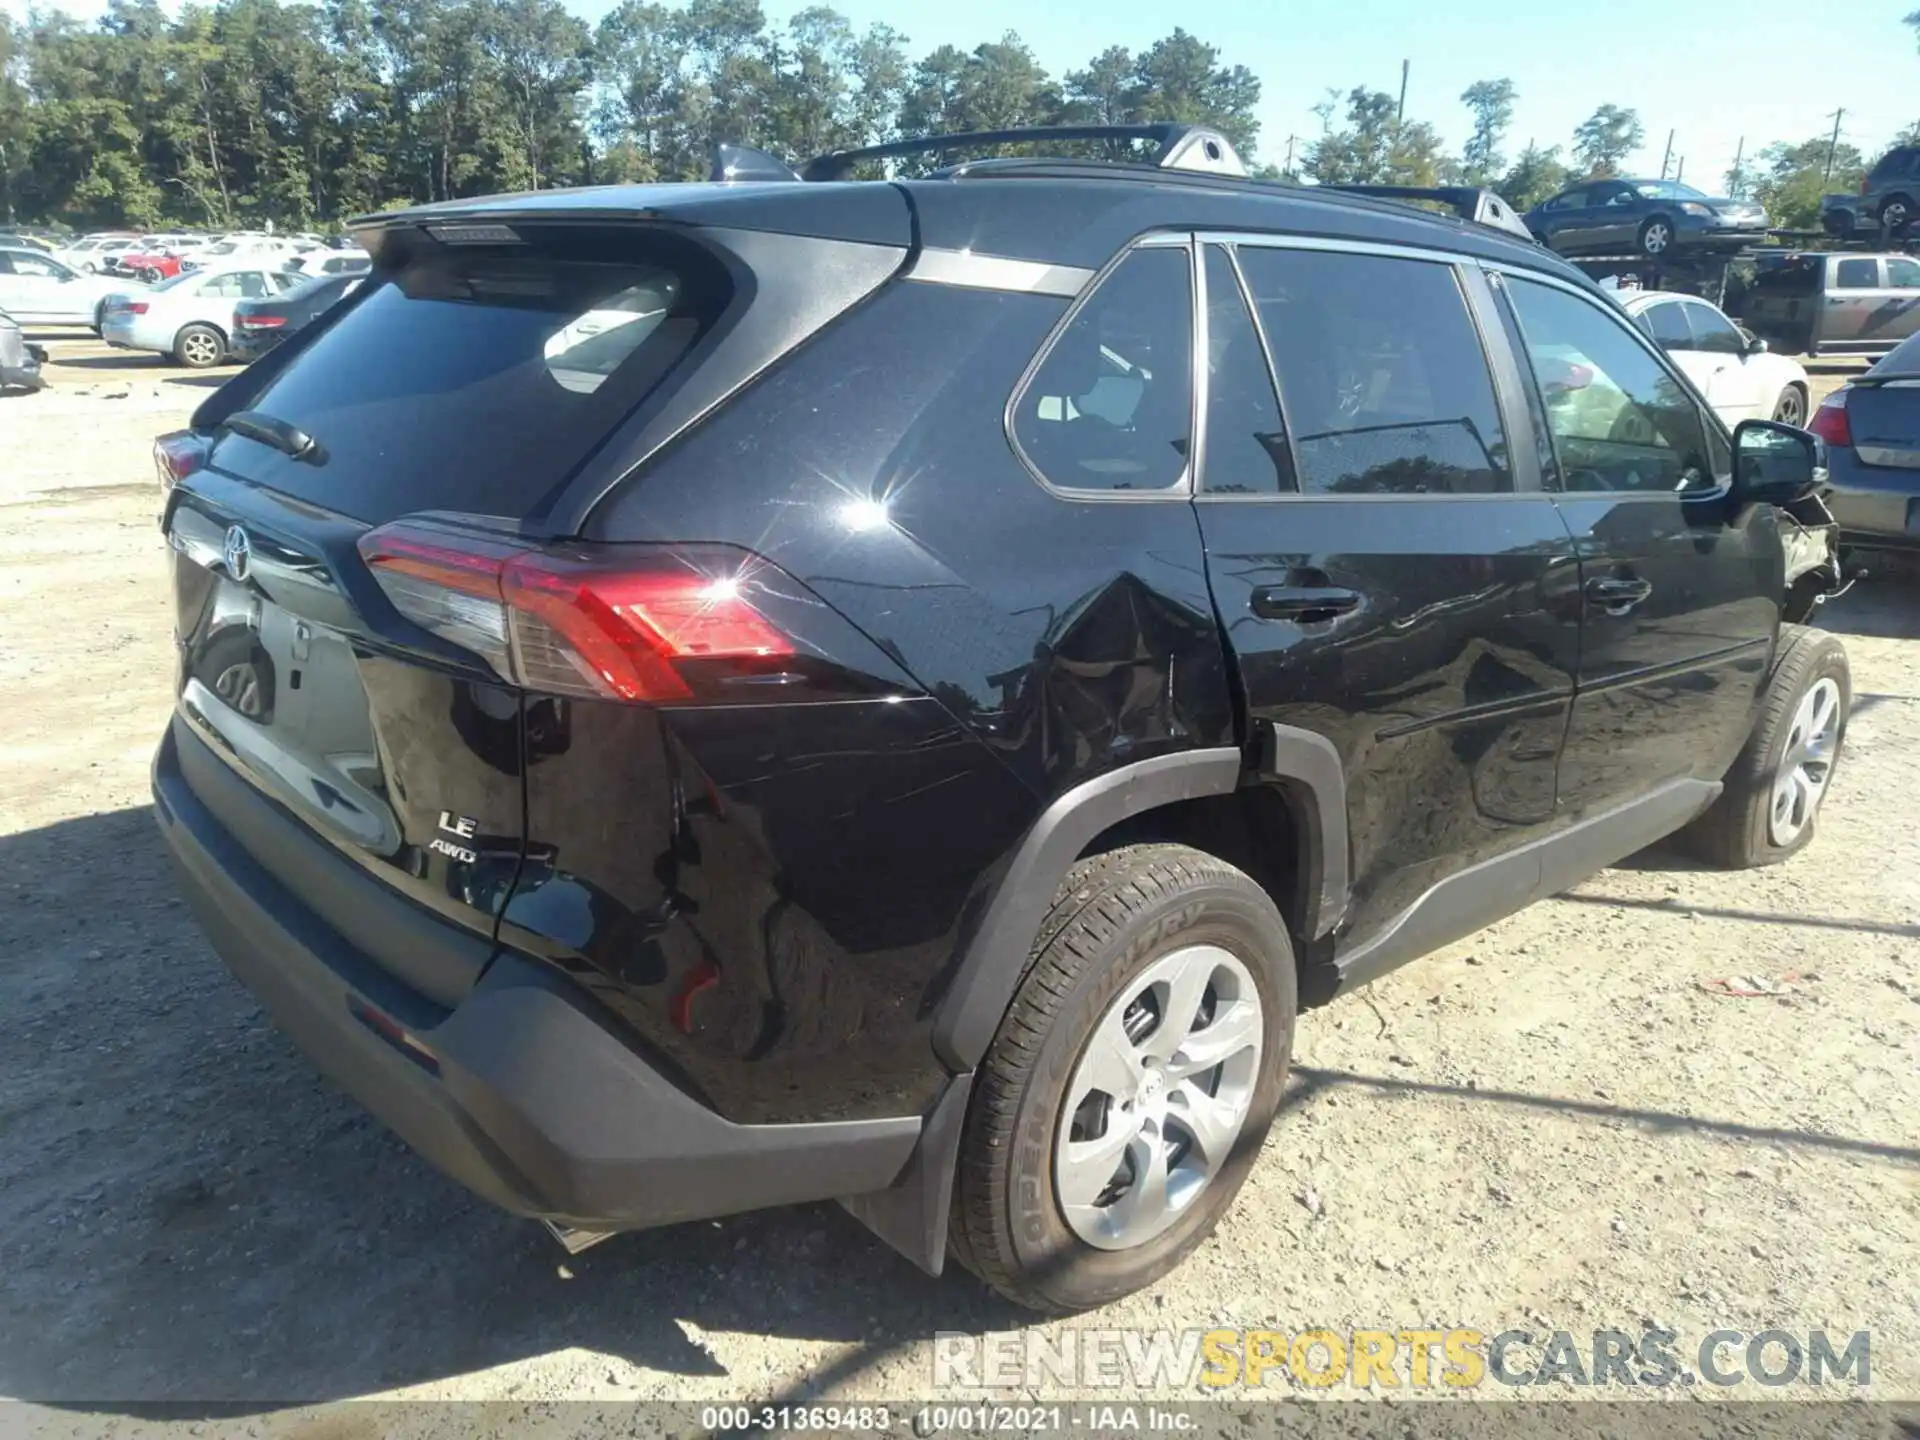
[237,552]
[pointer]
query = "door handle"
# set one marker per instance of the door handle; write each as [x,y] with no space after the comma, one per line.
[1617,594]
[1304,603]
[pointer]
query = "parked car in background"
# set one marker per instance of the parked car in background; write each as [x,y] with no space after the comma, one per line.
[1733,368]
[89,253]
[259,325]
[1888,201]
[1644,217]
[1872,429]
[1835,303]
[36,289]
[20,362]
[231,248]
[189,317]
[22,240]
[330,262]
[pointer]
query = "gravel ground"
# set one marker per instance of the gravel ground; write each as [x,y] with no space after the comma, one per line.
[1567,1123]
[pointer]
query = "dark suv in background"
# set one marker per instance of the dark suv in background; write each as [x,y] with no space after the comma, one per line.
[700,697]
[1889,197]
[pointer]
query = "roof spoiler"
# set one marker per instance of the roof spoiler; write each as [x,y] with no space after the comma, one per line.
[1470,202]
[1176,147]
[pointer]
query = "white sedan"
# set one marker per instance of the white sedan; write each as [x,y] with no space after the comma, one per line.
[37,289]
[1733,369]
[190,316]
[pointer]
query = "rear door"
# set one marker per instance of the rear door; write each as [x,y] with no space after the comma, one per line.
[1903,298]
[1854,292]
[1615,213]
[1681,590]
[1386,570]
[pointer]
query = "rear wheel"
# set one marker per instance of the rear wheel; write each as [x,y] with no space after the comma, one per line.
[1129,1088]
[1896,212]
[1774,790]
[199,347]
[1656,236]
[1791,407]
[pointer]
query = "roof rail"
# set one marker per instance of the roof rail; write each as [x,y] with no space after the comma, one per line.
[1177,147]
[1469,202]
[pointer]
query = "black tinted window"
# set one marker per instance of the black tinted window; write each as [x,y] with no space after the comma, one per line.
[1382,372]
[1572,200]
[1246,449]
[1712,332]
[1668,326]
[1619,419]
[1894,164]
[1111,406]
[1857,275]
[478,379]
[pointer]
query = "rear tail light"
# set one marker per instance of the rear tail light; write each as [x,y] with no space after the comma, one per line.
[612,622]
[1830,421]
[257,322]
[131,307]
[1865,184]
[177,455]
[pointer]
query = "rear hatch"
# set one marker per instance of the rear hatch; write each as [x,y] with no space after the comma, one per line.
[346,517]
[1883,412]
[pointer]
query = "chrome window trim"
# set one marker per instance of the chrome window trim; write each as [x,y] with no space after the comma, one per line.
[1645,341]
[1182,487]
[974,270]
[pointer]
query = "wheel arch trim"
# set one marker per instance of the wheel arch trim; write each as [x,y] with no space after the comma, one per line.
[993,956]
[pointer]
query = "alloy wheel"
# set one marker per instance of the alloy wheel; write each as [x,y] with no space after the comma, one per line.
[1791,410]
[1659,235]
[200,349]
[1806,762]
[1159,1097]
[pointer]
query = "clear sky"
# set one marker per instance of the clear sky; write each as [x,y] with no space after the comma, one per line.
[1713,71]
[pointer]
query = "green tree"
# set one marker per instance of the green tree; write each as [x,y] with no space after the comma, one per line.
[1793,178]
[1536,175]
[1361,154]
[1491,102]
[1606,138]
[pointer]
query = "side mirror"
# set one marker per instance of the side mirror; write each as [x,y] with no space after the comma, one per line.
[1756,345]
[1776,464]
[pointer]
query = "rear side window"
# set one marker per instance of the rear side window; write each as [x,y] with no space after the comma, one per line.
[1903,274]
[1894,164]
[1246,448]
[478,379]
[1382,374]
[1857,275]
[1668,326]
[1111,406]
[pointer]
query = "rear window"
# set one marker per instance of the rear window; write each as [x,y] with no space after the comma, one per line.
[479,379]
[1894,164]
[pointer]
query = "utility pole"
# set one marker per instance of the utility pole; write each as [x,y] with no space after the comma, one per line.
[1400,111]
[1288,170]
[1680,172]
[1833,145]
[1666,157]
[1733,185]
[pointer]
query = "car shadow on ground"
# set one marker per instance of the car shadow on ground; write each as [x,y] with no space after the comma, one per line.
[188,1213]
[1885,605]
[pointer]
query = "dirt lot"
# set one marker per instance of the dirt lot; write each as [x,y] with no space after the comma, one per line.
[1567,1123]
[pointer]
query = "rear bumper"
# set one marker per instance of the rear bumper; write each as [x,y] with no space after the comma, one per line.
[1873,505]
[522,1092]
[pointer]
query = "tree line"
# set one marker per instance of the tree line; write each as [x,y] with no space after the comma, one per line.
[244,112]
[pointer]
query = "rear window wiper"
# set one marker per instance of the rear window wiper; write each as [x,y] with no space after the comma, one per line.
[268,430]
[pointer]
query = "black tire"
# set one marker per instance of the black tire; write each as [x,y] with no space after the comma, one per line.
[1735,832]
[1791,407]
[1896,215]
[199,346]
[1655,226]
[1114,916]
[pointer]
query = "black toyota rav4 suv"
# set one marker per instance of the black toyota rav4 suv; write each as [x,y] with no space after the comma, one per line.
[710,696]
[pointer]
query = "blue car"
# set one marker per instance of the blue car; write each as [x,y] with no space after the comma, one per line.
[1654,218]
[1872,430]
